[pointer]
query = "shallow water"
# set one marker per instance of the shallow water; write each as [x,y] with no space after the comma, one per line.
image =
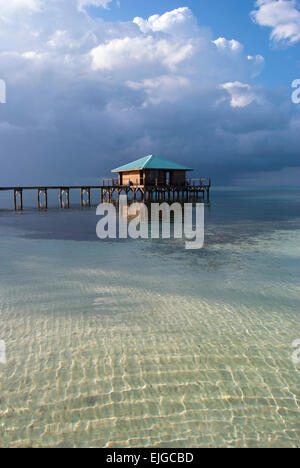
[145,344]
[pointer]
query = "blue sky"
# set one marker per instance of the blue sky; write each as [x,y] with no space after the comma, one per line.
[206,83]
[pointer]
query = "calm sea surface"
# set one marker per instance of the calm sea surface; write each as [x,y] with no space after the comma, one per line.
[144,344]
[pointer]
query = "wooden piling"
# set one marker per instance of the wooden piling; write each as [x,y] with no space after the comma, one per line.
[43,191]
[67,193]
[18,192]
[83,191]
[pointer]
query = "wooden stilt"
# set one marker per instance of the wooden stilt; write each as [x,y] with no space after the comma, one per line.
[45,193]
[15,200]
[83,191]
[18,193]
[21,199]
[67,193]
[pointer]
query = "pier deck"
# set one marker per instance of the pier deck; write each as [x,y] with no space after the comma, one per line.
[191,190]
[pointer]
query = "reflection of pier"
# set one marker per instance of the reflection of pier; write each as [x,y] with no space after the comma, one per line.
[110,191]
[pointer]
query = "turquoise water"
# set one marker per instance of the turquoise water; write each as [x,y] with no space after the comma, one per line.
[145,344]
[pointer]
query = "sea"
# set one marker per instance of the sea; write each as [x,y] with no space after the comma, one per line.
[142,343]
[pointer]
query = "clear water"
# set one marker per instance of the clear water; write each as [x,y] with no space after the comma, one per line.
[144,344]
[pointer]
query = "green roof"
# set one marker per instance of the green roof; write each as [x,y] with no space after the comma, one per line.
[152,162]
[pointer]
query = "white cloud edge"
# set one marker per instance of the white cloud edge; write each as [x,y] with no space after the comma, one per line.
[282,16]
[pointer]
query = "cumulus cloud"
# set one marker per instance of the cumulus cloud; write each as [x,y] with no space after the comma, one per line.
[11,7]
[225,44]
[167,41]
[116,54]
[18,7]
[84,96]
[283,16]
[180,22]
[241,94]
[173,43]
[95,3]
[163,88]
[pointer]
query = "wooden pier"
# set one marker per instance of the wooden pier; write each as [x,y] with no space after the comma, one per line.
[110,190]
[192,189]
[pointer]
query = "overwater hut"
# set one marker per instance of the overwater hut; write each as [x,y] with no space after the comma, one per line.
[152,171]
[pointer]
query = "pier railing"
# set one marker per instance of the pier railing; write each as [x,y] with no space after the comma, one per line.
[202,181]
[110,182]
[199,182]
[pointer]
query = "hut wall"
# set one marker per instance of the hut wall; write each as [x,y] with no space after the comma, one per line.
[177,177]
[152,176]
[133,177]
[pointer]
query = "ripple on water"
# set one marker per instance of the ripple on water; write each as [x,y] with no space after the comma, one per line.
[99,357]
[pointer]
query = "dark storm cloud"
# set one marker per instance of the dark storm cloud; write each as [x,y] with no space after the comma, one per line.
[85,96]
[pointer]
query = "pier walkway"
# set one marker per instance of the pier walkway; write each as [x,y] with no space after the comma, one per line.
[192,189]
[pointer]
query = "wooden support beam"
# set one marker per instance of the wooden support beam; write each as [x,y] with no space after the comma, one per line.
[15,200]
[83,191]
[43,191]
[65,191]
[18,193]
